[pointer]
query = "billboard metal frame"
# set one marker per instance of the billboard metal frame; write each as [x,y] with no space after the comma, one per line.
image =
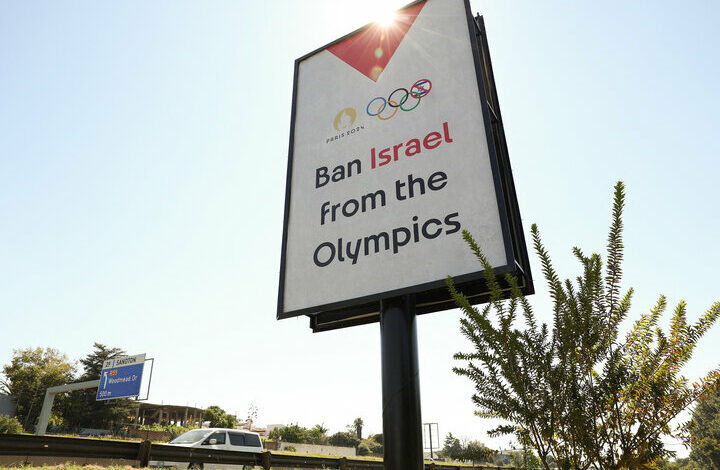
[151,360]
[431,296]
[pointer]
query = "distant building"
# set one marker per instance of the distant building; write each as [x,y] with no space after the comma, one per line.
[249,426]
[148,414]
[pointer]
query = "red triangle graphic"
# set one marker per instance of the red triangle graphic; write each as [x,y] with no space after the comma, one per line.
[370,50]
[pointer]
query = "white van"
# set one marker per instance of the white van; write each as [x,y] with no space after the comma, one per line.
[214,438]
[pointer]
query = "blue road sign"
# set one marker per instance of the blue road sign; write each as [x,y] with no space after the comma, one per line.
[121,377]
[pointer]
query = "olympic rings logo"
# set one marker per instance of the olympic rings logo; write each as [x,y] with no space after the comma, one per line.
[418,90]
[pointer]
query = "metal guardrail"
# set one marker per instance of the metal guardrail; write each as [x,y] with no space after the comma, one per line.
[145,451]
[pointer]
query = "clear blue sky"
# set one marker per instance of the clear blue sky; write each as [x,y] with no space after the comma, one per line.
[142,169]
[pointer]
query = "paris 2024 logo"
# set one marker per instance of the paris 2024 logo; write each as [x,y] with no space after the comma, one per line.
[382,108]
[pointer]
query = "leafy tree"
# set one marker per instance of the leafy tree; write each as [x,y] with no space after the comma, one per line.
[376,444]
[30,373]
[301,435]
[373,444]
[680,464]
[93,362]
[317,435]
[578,392]
[292,433]
[215,415]
[81,409]
[452,447]
[471,451]
[344,439]
[475,452]
[704,430]
[218,418]
[525,459]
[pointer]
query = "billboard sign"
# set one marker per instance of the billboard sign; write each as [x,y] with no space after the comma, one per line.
[391,157]
[121,377]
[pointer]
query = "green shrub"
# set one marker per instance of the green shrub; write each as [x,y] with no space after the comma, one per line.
[290,449]
[9,425]
[375,448]
[174,431]
[292,433]
[153,427]
[363,449]
[218,418]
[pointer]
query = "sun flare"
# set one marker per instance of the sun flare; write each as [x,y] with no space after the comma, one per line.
[386,18]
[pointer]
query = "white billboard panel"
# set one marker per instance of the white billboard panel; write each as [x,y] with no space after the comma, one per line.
[389,162]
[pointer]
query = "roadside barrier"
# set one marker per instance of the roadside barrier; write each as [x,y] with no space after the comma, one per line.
[145,451]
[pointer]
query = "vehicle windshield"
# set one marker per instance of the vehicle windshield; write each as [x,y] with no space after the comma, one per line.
[191,436]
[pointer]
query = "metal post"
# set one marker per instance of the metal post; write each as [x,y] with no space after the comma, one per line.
[44,417]
[402,424]
[430,434]
[50,393]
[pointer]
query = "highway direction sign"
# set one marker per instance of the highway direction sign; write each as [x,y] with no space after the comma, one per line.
[121,377]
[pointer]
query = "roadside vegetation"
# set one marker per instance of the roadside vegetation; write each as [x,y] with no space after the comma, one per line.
[317,435]
[33,370]
[9,425]
[458,450]
[578,392]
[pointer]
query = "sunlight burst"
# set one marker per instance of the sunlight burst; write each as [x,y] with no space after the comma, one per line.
[386,18]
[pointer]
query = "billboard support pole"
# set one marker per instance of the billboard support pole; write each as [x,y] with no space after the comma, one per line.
[402,423]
